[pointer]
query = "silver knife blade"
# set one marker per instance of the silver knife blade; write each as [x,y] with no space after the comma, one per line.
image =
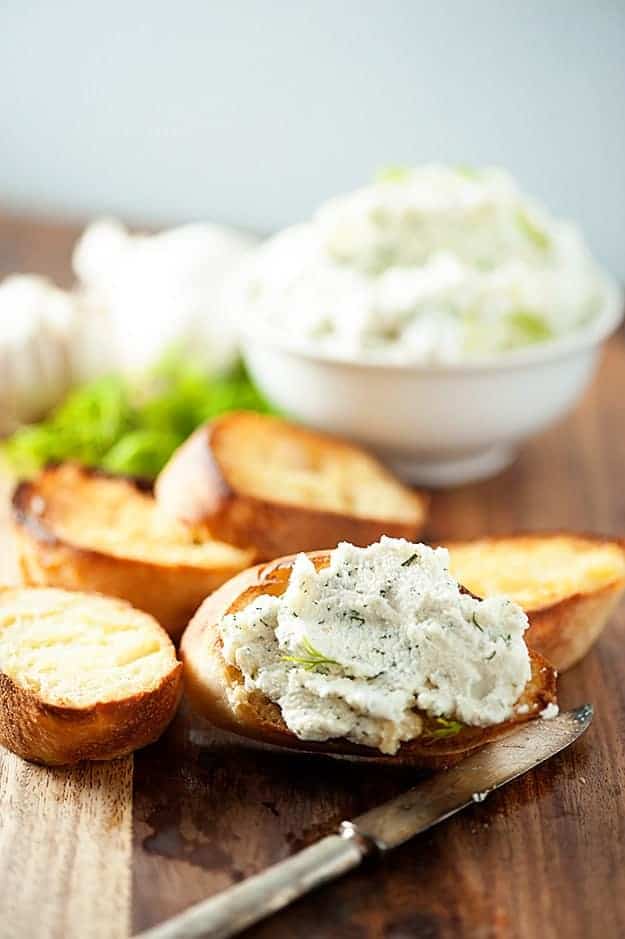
[471,780]
[441,796]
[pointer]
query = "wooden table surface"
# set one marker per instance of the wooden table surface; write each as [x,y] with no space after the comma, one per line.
[543,857]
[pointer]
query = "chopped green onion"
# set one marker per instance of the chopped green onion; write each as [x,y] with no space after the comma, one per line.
[463,169]
[528,327]
[532,231]
[392,174]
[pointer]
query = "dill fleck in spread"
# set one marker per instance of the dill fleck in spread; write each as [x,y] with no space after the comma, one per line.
[363,648]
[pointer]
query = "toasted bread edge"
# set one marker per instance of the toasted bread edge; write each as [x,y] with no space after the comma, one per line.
[169,592]
[193,487]
[565,631]
[207,679]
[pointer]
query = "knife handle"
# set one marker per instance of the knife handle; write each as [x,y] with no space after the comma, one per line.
[246,903]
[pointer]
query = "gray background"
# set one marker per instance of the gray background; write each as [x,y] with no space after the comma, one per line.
[253,112]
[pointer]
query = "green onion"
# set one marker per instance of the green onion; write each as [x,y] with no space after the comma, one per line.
[392,174]
[528,327]
[463,169]
[532,231]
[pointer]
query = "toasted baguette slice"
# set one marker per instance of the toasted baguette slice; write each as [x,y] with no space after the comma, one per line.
[568,584]
[216,690]
[261,481]
[82,677]
[82,530]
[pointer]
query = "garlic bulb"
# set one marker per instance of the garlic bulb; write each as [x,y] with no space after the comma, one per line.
[162,291]
[39,324]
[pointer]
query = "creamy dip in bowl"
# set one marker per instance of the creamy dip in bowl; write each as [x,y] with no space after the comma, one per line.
[438,315]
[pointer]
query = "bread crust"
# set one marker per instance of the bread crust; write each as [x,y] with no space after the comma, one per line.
[564,631]
[58,735]
[209,679]
[194,487]
[169,592]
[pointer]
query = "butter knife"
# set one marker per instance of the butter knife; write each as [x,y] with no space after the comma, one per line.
[377,831]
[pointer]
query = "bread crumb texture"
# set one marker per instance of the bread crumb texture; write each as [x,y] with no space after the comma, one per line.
[537,571]
[113,516]
[77,650]
[268,458]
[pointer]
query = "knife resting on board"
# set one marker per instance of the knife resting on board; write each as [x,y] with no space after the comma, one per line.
[377,831]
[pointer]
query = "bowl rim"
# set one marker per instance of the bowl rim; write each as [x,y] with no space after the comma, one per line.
[589,334]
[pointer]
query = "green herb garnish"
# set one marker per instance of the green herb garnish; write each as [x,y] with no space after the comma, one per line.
[532,231]
[446,728]
[475,623]
[392,174]
[311,659]
[527,327]
[357,617]
[410,560]
[463,169]
[131,427]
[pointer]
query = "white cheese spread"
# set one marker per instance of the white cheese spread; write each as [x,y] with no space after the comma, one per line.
[548,713]
[353,649]
[434,264]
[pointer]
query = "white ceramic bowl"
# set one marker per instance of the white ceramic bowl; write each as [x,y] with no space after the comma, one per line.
[439,425]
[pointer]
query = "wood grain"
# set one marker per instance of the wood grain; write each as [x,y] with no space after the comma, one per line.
[543,857]
[65,836]
[65,850]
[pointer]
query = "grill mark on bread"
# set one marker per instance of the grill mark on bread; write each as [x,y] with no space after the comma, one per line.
[257,480]
[158,566]
[71,687]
